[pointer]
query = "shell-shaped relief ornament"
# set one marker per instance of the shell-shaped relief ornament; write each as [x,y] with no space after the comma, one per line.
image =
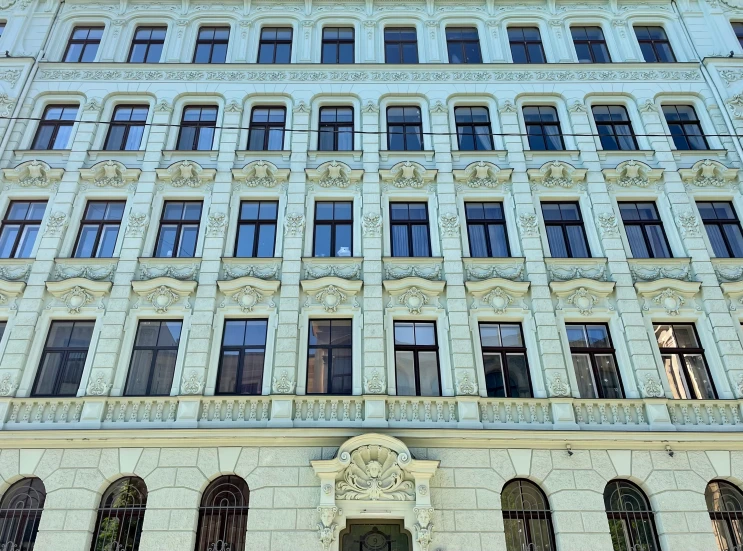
[374,474]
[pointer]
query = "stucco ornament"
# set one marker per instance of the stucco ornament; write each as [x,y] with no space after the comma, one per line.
[260,174]
[163,106]
[179,272]
[94,105]
[76,298]
[578,107]
[583,300]
[647,106]
[247,298]
[162,298]
[608,223]
[556,174]
[326,527]
[408,174]
[558,387]
[735,104]
[111,174]
[56,223]
[34,174]
[374,474]
[294,224]
[424,527]
[283,384]
[709,173]
[260,271]
[632,173]
[374,384]
[431,272]
[466,385]
[498,300]
[687,222]
[738,386]
[192,384]
[652,387]
[186,174]
[438,108]
[529,225]
[371,224]
[331,297]
[15,273]
[8,385]
[670,300]
[483,174]
[507,107]
[217,224]
[137,224]
[233,107]
[449,224]
[301,106]
[98,386]
[335,176]
[413,299]
[370,107]
[6,104]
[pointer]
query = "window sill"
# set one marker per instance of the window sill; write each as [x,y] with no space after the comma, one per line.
[472,156]
[105,154]
[178,154]
[396,156]
[355,154]
[56,158]
[619,156]
[543,156]
[695,155]
[249,155]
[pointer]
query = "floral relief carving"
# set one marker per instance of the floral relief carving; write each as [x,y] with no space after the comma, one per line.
[482,174]
[192,384]
[735,104]
[670,300]
[466,385]
[738,386]
[431,272]
[498,300]
[424,527]
[652,387]
[260,174]
[556,174]
[439,108]
[608,223]
[162,298]
[558,387]
[94,105]
[110,174]
[56,223]
[34,174]
[407,174]
[566,273]
[247,298]
[76,298]
[529,225]
[687,222]
[632,173]
[374,474]
[137,224]
[233,107]
[330,298]
[583,300]
[647,106]
[374,384]
[413,299]
[15,273]
[350,271]
[294,224]
[578,107]
[333,174]
[186,174]
[301,107]
[284,384]
[513,272]
[181,273]
[449,224]
[260,271]
[98,386]
[709,173]
[217,224]
[6,105]
[8,385]
[372,224]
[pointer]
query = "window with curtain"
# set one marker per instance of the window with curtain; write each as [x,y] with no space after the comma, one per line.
[504,360]
[417,359]
[683,359]
[83,44]
[463,44]
[55,127]
[543,128]
[242,357]
[725,506]
[473,129]
[614,127]
[527,518]
[211,45]
[198,125]
[644,229]
[486,230]
[20,227]
[223,515]
[126,128]
[400,45]
[99,229]
[120,516]
[723,228]
[565,232]
[654,43]
[409,229]
[594,361]
[267,129]
[333,229]
[630,517]
[63,358]
[20,512]
[179,229]
[153,358]
[329,357]
[590,45]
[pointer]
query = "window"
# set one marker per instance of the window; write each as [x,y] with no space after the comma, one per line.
[3,326]
[211,45]
[565,233]
[20,514]
[417,359]
[526,45]
[644,230]
[526,517]
[725,506]
[337,45]
[333,228]
[654,45]
[242,357]
[723,228]
[179,228]
[126,128]
[738,28]
[121,515]
[614,127]
[267,129]
[594,361]
[504,360]
[223,515]
[543,128]
[147,45]
[256,229]
[329,362]
[197,128]
[486,230]
[83,44]
[463,44]
[400,45]
[590,45]
[20,228]
[630,517]
[404,129]
[409,229]
[99,229]
[55,127]
[683,359]
[63,358]
[2,30]
[473,129]
[153,358]
[275,45]
[685,127]
[336,129]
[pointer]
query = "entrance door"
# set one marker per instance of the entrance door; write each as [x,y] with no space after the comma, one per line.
[375,537]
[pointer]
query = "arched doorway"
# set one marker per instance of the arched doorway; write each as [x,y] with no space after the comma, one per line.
[363,535]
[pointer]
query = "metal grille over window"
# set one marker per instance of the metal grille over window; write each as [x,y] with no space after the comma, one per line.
[120,516]
[527,518]
[630,517]
[20,513]
[223,515]
[725,506]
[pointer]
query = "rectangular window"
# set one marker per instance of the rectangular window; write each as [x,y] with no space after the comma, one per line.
[127,128]
[99,229]
[2,28]
[463,44]
[55,127]
[594,361]
[590,45]
[267,129]
[337,45]
[153,358]
[417,359]
[409,229]
[543,128]
[197,128]
[3,326]
[275,45]
[685,127]
[738,28]
[400,45]
[333,228]
[256,229]
[473,129]
[723,228]
[654,44]
[404,129]
[486,230]
[614,127]
[565,232]
[242,357]
[83,44]
[211,45]
[147,45]
[336,129]
[683,359]
[20,228]
[179,229]
[63,358]
[504,361]
[644,230]
[526,45]
[329,360]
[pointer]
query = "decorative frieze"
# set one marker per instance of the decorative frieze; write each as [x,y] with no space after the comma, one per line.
[261,268]
[407,174]
[182,269]
[95,269]
[185,174]
[424,268]
[478,269]
[34,173]
[315,268]
[632,173]
[708,173]
[110,173]
[556,174]
[652,269]
[566,269]
[481,175]
[260,174]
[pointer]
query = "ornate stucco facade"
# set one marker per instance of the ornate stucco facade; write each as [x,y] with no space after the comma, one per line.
[452,454]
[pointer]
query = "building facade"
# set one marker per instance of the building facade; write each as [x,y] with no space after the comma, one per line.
[422,276]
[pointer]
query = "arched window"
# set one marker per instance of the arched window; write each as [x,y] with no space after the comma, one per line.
[223,515]
[20,513]
[120,516]
[526,517]
[725,506]
[630,517]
